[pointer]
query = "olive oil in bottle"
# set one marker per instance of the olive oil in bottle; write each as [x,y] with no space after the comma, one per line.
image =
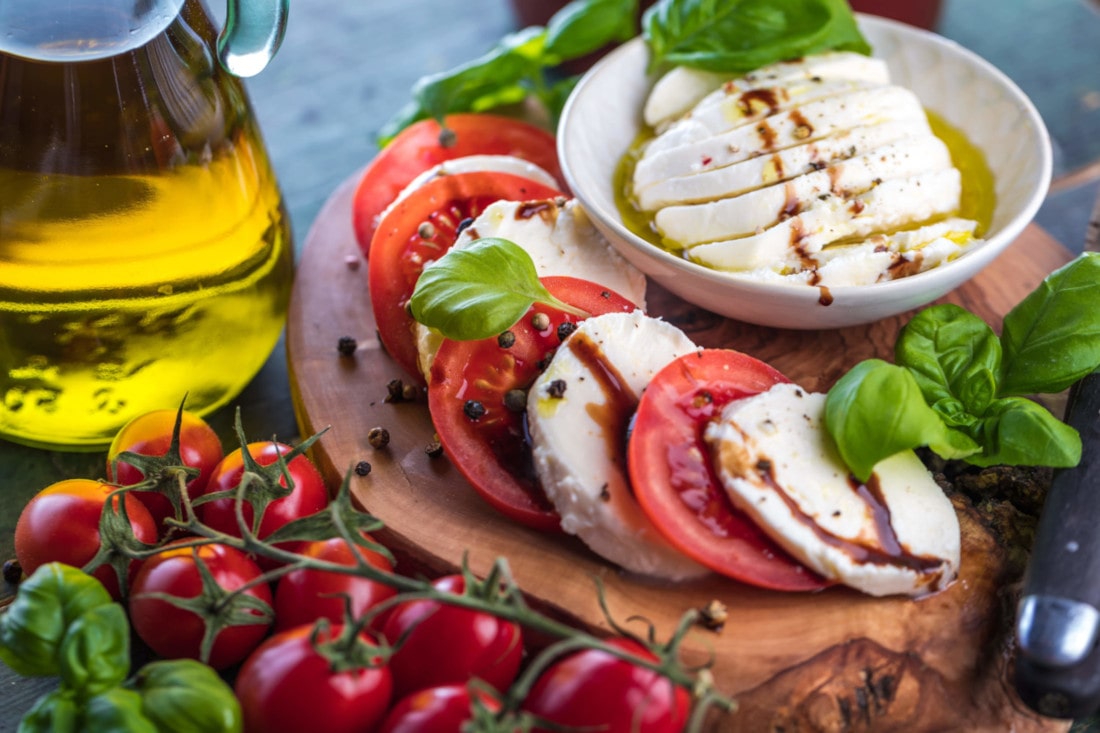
[144,250]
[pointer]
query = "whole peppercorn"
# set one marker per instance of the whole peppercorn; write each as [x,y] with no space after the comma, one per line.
[515,400]
[378,437]
[556,388]
[346,345]
[474,409]
[566,328]
[506,340]
[434,449]
[540,321]
[362,468]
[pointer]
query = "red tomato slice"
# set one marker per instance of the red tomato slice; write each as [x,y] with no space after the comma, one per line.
[675,483]
[491,450]
[400,252]
[418,148]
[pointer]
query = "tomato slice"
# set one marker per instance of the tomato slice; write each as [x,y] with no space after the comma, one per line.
[418,147]
[488,444]
[400,251]
[676,484]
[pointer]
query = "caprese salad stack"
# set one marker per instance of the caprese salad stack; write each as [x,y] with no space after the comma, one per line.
[581,413]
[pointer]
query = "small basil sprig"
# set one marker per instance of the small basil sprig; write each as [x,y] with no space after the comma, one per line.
[961,390]
[480,291]
[63,623]
[738,36]
[520,64]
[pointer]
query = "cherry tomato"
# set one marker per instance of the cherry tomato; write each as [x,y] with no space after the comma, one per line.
[174,632]
[444,644]
[419,147]
[674,480]
[491,450]
[310,495]
[61,524]
[441,709]
[286,685]
[595,690]
[304,595]
[400,252]
[150,434]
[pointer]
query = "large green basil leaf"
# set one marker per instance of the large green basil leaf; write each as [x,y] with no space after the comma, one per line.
[117,710]
[95,653]
[54,712]
[186,696]
[1018,432]
[33,628]
[584,26]
[738,36]
[952,354]
[1052,337]
[479,291]
[866,433]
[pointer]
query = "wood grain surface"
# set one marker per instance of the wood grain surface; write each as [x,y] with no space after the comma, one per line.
[831,661]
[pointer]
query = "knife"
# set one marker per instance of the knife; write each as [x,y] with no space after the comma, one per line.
[1058,619]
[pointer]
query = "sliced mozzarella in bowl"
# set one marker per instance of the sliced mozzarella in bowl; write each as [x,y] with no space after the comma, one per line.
[561,240]
[682,88]
[895,534]
[731,217]
[764,170]
[578,411]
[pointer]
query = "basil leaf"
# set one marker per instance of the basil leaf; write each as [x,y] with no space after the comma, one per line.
[95,654]
[952,354]
[1052,337]
[55,712]
[479,291]
[584,26]
[865,433]
[33,628]
[738,36]
[1019,432]
[186,696]
[117,710]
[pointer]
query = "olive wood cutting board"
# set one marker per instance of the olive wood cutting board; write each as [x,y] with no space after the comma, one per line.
[835,660]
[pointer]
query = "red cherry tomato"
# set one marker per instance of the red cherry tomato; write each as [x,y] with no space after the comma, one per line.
[419,147]
[310,495]
[491,450]
[444,644]
[61,524]
[441,709]
[400,252]
[285,685]
[675,482]
[595,690]
[304,595]
[150,434]
[173,632]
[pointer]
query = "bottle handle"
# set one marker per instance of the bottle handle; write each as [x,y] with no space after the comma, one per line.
[253,32]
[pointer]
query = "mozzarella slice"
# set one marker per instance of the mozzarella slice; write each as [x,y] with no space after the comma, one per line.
[740,215]
[888,206]
[578,411]
[896,534]
[782,165]
[681,89]
[473,163]
[812,121]
[879,258]
[561,239]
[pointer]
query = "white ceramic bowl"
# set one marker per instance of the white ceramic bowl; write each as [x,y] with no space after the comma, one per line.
[603,116]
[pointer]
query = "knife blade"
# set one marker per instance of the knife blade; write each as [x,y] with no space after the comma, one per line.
[1057,670]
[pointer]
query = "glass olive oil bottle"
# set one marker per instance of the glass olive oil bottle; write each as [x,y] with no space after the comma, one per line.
[144,250]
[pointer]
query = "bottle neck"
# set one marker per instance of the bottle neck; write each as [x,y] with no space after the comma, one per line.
[43,30]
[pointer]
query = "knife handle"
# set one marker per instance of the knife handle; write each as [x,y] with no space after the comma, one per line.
[1058,665]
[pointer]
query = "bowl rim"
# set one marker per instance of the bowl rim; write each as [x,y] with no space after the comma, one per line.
[910,288]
